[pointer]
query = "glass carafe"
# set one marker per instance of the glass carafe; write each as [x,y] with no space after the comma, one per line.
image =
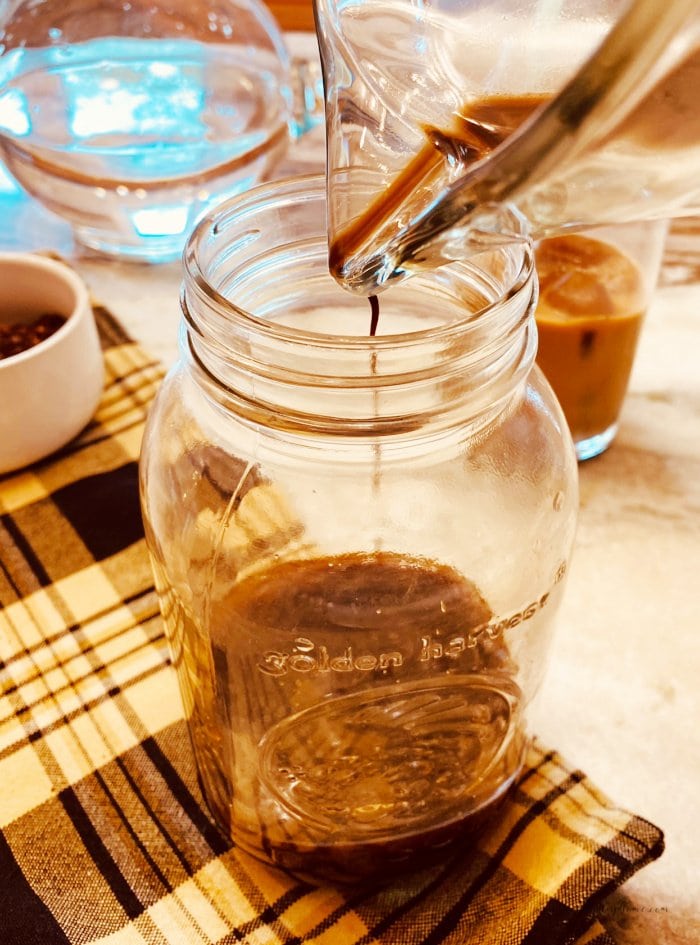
[573,113]
[130,119]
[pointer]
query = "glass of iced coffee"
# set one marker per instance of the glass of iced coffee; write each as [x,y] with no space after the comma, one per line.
[595,288]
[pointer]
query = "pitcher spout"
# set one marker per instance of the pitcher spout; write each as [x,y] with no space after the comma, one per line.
[447,124]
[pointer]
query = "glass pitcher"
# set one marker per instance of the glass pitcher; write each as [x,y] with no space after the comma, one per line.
[130,118]
[572,113]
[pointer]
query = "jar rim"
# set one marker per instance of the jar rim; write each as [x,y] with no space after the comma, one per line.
[243,207]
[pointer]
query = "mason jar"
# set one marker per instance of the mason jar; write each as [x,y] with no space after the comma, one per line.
[359,541]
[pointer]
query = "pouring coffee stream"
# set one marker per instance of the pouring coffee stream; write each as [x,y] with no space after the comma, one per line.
[480,130]
[619,141]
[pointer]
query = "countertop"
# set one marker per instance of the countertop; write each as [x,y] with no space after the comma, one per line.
[622,696]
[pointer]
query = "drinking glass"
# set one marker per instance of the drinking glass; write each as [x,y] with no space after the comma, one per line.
[595,288]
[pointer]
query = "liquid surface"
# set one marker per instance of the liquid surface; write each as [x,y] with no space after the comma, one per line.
[138,111]
[589,317]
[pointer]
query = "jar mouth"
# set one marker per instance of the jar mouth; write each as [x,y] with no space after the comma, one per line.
[258,298]
[239,254]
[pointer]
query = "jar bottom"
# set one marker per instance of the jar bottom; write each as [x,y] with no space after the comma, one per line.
[153,249]
[593,446]
[363,790]
[377,859]
[378,725]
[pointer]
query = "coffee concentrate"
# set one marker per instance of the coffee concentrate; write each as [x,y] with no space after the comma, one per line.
[375,722]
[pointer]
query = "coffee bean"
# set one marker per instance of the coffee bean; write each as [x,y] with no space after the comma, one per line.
[20,336]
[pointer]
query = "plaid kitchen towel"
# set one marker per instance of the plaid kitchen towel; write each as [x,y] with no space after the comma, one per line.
[104,837]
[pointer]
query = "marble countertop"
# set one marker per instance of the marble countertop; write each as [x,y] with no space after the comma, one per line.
[622,697]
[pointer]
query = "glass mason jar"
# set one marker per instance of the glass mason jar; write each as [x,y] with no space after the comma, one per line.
[359,542]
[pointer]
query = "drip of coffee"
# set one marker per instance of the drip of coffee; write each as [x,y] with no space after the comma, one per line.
[374,319]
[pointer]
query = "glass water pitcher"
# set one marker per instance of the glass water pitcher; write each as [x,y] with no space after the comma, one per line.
[574,113]
[130,118]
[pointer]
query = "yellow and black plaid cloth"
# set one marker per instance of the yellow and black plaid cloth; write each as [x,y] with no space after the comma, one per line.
[103,834]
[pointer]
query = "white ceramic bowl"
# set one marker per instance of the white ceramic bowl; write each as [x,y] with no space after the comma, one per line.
[48,392]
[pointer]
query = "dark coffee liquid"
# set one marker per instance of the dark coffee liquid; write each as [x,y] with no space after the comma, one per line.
[475,132]
[385,729]
[374,319]
[382,862]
